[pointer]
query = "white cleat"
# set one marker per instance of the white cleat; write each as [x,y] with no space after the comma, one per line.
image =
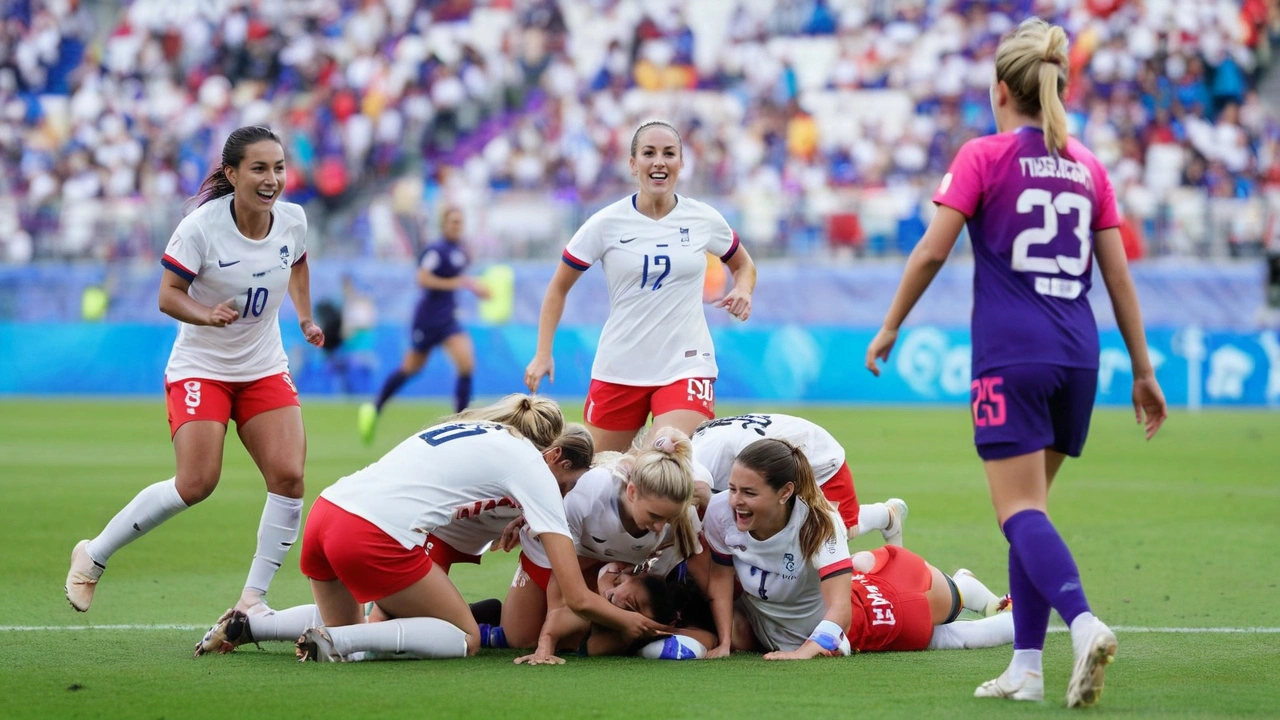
[1029,686]
[897,516]
[230,632]
[1094,650]
[315,645]
[82,578]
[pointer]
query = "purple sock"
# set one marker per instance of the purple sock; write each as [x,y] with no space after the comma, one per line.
[1046,562]
[462,393]
[395,381]
[1030,610]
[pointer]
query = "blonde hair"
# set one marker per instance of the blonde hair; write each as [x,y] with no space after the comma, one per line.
[779,462]
[536,417]
[663,469]
[1032,61]
[576,446]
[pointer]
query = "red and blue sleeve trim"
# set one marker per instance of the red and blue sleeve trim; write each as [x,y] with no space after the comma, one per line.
[733,248]
[177,268]
[301,259]
[574,262]
[839,567]
[721,559]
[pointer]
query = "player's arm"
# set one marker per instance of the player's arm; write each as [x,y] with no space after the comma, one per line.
[825,639]
[300,294]
[922,266]
[178,304]
[560,623]
[553,301]
[1148,398]
[432,281]
[743,268]
[720,594]
[579,598]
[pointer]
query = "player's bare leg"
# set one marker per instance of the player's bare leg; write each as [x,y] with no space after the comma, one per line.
[524,611]
[686,421]
[611,440]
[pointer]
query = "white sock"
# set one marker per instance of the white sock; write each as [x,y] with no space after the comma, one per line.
[873,516]
[155,504]
[973,594]
[417,638]
[287,624]
[988,632]
[1024,661]
[277,531]
[1081,626]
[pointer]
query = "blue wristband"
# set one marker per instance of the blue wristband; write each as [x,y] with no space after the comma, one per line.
[827,635]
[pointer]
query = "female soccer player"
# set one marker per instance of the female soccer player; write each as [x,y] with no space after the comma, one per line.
[227,269]
[463,539]
[800,596]
[655,354]
[365,535]
[717,442]
[1038,206]
[625,512]
[441,272]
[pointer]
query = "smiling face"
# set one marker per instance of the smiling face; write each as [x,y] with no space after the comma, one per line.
[643,513]
[757,508]
[631,594]
[259,178]
[657,160]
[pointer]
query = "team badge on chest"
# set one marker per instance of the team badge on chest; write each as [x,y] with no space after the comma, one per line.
[684,237]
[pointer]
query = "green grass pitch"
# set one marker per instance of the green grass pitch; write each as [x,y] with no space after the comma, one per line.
[1181,532]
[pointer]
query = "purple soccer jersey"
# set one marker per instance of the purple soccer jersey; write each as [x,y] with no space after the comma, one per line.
[1031,218]
[447,260]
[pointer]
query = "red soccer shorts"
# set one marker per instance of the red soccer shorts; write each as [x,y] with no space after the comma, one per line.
[445,555]
[337,545]
[611,406]
[839,490]
[539,575]
[896,615]
[199,399]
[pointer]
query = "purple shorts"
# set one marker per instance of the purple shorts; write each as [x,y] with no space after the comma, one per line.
[428,335]
[1020,409]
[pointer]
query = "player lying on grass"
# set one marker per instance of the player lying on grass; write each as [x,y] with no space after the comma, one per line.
[625,511]
[674,600]
[364,538]
[717,442]
[802,594]
[463,539]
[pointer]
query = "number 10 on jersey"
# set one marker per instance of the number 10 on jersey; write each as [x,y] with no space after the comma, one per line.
[255,301]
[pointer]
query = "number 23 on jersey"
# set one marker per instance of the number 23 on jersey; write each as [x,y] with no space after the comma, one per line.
[1053,206]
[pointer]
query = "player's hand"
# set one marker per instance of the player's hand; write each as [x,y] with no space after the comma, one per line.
[639,627]
[719,651]
[539,367]
[510,536]
[1148,399]
[539,658]
[480,289]
[879,348]
[223,314]
[809,650]
[738,303]
[312,333]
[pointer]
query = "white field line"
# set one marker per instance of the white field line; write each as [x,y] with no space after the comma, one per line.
[1119,628]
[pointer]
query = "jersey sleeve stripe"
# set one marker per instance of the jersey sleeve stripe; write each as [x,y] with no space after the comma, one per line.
[733,247]
[301,259]
[176,268]
[574,262]
[722,559]
[838,567]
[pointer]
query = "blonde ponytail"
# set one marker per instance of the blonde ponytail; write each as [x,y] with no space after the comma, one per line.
[779,462]
[1033,63]
[664,470]
[536,417]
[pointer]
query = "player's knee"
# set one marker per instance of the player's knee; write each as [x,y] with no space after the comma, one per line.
[195,487]
[864,561]
[286,481]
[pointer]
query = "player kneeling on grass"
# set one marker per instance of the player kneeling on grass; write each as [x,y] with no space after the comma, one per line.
[803,596]
[674,600]
[464,538]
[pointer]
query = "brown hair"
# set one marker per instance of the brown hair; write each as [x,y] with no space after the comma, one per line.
[1032,61]
[779,462]
[576,446]
[635,139]
[216,184]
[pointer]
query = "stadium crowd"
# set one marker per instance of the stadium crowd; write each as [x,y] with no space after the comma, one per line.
[817,123]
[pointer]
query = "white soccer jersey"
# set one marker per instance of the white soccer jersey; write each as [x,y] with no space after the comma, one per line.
[719,441]
[657,330]
[473,533]
[781,592]
[221,264]
[448,473]
[595,524]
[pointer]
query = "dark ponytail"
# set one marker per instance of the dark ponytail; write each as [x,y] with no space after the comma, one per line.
[779,462]
[216,184]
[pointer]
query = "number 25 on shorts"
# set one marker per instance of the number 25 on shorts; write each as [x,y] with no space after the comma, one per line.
[988,402]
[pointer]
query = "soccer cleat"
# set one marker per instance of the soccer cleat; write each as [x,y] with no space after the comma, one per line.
[367,422]
[1030,686]
[994,603]
[1094,650]
[230,632]
[316,645]
[253,607]
[897,515]
[82,578]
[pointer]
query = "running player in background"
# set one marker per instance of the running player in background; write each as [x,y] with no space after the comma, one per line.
[227,269]
[1038,206]
[441,272]
[717,442]
[655,355]
[802,594]
[627,511]
[365,535]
